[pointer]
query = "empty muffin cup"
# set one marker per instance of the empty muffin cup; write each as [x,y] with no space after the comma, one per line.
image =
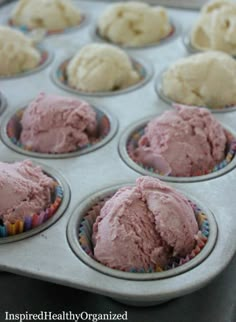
[129,142]
[3,103]
[17,229]
[173,34]
[80,228]
[144,70]
[46,59]
[11,130]
[159,90]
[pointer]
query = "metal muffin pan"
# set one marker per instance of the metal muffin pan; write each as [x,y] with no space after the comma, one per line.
[3,103]
[104,167]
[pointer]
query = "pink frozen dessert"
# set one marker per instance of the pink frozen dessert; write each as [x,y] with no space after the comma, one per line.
[57,124]
[186,141]
[143,226]
[24,190]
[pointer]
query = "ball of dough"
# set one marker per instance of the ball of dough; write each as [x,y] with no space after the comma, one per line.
[48,14]
[101,67]
[216,27]
[205,79]
[17,52]
[134,23]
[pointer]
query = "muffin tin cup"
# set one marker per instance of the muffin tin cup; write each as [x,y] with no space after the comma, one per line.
[134,133]
[11,128]
[144,69]
[32,225]
[27,30]
[80,229]
[174,34]
[3,103]
[159,90]
[46,58]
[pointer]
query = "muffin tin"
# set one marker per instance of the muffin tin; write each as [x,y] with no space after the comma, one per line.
[49,254]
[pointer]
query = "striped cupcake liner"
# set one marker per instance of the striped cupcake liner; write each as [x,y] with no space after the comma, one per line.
[50,32]
[134,138]
[13,131]
[85,231]
[35,220]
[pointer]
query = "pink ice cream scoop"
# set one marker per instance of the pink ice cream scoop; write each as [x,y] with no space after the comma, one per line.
[57,124]
[186,141]
[24,190]
[143,226]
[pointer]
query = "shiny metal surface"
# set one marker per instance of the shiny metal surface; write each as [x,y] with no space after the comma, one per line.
[3,103]
[47,255]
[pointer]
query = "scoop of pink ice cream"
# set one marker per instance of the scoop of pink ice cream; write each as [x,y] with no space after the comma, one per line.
[185,141]
[57,124]
[143,226]
[24,190]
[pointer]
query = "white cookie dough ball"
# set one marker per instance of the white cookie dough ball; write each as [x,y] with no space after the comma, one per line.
[205,79]
[134,23]
[101,67]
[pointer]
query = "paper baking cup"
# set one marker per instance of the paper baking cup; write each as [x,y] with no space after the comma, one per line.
[174,33]
[11,130]
[129,141]
[51,32]
[33,224]
[46,58]
[3,103]
[80,228]
[60,79]
[159,90]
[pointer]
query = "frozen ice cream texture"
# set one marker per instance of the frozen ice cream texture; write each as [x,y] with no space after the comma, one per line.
[134,23]
[143,226]
[17,52]
[216,27]
[101,67]
[205,79]
[57,124]
[24,189]
[48,14]
[185,141]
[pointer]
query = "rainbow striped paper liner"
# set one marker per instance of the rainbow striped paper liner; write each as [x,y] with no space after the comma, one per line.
[50,32]
[61,76]
[132,144]
[170,34]
[13,130]
[86,229]
[35,220]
